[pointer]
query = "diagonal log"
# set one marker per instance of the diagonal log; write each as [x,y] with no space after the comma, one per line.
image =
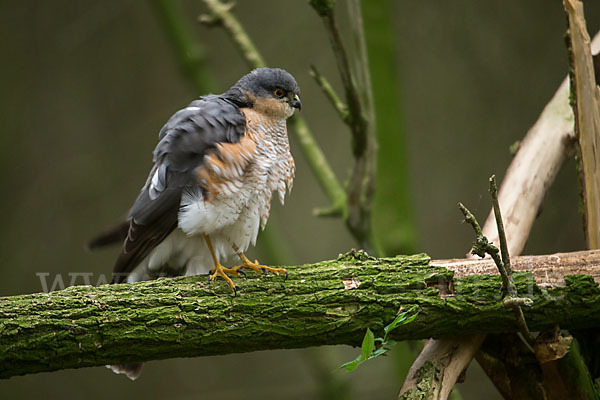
[327,303]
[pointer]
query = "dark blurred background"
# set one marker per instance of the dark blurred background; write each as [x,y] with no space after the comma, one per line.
[87,84]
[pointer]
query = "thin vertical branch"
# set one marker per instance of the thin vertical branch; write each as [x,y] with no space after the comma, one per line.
[360,64]
[508,285]
[586,106]
[504,268]
[336,102]
[364,182]
[357,118]
[361,121]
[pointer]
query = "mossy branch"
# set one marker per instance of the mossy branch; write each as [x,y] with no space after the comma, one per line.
[329,92]
[220,15]
[327,303]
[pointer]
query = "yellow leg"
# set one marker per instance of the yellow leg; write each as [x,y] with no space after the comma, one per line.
[219,269]
[246,263]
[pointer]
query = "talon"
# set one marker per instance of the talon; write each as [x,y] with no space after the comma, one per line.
[247,264]
[222,272]
[219,269]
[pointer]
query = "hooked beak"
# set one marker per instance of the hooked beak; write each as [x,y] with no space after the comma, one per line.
[296,103]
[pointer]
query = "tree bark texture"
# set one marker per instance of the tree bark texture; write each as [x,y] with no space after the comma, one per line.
[586,106]
[328,303]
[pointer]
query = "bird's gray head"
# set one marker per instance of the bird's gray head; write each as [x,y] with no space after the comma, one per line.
[270,90]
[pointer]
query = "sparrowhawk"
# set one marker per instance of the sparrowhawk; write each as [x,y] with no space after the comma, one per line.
[217,163]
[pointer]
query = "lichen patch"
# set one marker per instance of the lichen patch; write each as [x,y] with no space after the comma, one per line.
[351,283]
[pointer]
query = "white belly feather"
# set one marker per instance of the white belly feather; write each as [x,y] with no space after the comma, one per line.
[233,218]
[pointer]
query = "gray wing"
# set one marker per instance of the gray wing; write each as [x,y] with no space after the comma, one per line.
[183,142]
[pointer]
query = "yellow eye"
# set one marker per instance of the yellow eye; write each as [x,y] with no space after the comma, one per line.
[278,92]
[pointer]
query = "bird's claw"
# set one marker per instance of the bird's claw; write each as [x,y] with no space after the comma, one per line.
[222,272]
[258,267]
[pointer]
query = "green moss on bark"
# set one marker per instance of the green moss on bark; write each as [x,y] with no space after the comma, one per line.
[327,303]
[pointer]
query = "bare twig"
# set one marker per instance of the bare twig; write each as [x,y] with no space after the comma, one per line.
[481,246]
[362,185]
[471,220]
[513,300]
[338,104]
[360,119]
[220,14]
[501,235]
[504,267]
[326,9]
[360,65]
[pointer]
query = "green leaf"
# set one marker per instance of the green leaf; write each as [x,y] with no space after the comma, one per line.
[399,318]
[410,319]
[368,344]
[379,352]
[368,351]
[367,347]
[351,365]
